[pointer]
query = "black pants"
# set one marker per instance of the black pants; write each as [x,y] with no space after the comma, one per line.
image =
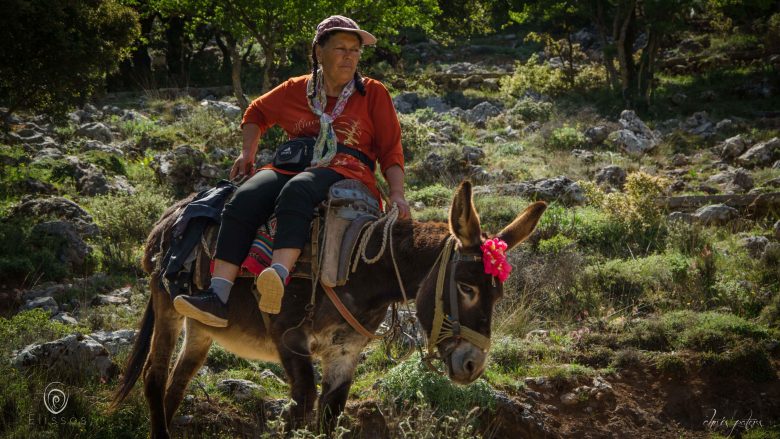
[292,198]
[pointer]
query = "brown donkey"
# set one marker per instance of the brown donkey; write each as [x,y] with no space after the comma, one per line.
[419,249]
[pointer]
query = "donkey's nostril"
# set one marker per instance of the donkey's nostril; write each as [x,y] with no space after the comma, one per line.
[469,366]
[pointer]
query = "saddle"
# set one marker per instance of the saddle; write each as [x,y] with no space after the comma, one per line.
[337,225]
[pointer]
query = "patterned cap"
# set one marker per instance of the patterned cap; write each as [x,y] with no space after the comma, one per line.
[341,23]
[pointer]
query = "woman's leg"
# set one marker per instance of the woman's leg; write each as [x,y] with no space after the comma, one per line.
[251,206]
[294,212]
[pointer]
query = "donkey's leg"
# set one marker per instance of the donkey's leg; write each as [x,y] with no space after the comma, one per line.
[338,369]
[296,359]
[167,326]
[192,356]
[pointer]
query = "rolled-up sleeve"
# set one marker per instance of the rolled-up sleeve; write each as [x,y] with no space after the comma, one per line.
[264,110]
[387,130]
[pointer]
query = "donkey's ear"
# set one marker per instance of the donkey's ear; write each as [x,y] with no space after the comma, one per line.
[523,225]
[464,221]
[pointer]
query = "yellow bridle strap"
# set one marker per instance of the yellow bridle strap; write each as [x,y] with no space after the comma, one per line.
[442,326]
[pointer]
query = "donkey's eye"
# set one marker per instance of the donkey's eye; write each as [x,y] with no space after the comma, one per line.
[467,290]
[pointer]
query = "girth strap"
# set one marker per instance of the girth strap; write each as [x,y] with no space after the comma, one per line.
[342,309]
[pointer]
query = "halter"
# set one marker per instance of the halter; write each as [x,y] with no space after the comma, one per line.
[448,326]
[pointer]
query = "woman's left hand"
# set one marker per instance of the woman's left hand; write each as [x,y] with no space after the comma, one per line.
[404,212]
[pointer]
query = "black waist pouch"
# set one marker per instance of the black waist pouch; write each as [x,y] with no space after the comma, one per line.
[295,155]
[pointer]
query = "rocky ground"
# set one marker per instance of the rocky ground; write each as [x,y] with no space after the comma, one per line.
[590,340]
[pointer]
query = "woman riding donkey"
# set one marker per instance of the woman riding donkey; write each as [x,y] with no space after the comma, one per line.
[355,124]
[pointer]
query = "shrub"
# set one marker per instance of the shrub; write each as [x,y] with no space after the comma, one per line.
[434,195]
[30,327]
[533,110]
[540,77]
[414,137]
[125,221]
[630,280]
[25,257]
[557,244]
[566,138]
[107,161]
[411,382]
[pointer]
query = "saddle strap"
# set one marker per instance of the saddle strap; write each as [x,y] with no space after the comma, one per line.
[353,322]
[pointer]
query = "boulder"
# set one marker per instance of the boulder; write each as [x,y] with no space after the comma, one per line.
[631,143]
[699,124]
[29,137]
[472,154]
[732,147]
[225,108]
[114,341]
[65,319]
[716,214]
[180,111]
[92,182]
[612,176]
[436,104]
[561,189]
[734,181]
[725,126]
[755,245]
[596,135]
[240,389]
[75,355]
[47,290]
[95,131]
[776,230]
[96,145]
[72,250]
[481,113]
[132,115]
[406,102]
[585,156]
[46,303]
[761,154]
[179,167]
[107,299]
[630,121]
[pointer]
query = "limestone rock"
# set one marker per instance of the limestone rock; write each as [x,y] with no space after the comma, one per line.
[65,318]
[107,299]
[755,245]
[716,214]
[561,188]
[596,135]
[732,147]
[612,176]
[240,389]
[699,124]
[73,355]
[46,303]
[481,113]
[761,154]
[72,251]
[96,131]
[225,108]
[114,341]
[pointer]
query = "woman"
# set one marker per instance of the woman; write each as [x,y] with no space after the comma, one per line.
[355,124]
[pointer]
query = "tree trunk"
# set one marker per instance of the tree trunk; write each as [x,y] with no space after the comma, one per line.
[647,65]
[607,48]
[235,71]
[227,61]
[268,66]
[625,20]
[174,52]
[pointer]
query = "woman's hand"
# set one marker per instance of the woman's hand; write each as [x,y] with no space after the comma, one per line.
[242,166]
[403,206]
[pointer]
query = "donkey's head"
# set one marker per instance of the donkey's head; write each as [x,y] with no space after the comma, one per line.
[466,293]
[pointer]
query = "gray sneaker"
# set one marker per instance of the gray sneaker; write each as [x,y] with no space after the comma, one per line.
[204,307]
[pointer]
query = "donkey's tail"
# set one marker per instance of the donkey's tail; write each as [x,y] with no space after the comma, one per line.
[135,362]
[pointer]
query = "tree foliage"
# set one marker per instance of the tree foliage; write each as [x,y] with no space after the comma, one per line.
[56,52]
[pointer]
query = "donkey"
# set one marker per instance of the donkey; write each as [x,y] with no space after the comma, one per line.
[419,249]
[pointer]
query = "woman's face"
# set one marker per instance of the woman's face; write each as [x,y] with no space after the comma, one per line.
[339,57]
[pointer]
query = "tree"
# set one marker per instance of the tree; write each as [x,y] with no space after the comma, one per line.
[55,53]
[620,23]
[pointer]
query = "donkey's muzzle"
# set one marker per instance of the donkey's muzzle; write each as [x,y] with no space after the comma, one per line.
[466,363]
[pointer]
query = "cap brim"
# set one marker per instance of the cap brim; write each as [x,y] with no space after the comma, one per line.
[368,39]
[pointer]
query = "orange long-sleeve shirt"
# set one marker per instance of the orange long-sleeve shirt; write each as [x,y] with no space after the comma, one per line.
[368,123]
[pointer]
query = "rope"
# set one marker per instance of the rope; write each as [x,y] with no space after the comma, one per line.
[389,221]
